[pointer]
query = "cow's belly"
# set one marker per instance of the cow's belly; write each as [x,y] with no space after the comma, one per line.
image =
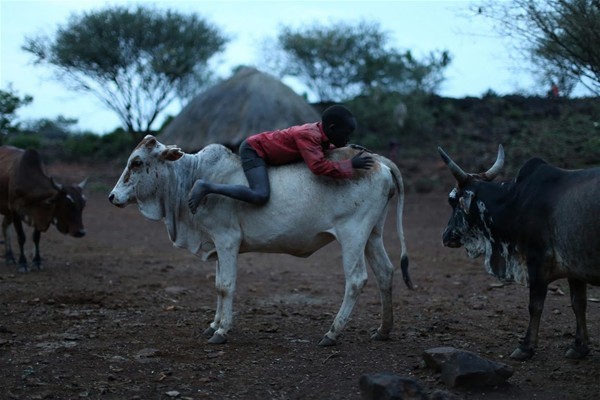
[300,246]
[578,259]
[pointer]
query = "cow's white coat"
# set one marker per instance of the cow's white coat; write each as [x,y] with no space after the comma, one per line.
[304,213]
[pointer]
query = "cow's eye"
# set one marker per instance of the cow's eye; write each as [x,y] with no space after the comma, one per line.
[453,198]
[453,201]
[136,163]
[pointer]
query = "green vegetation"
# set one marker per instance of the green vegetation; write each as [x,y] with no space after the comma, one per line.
[135,61]
[10,102]
[138,60]
[340,61]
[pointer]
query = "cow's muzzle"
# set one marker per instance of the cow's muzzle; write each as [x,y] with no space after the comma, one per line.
[113,200]
[452,240]
[79,233]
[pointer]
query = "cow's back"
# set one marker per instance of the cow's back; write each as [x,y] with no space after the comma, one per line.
[300,202]
[23,181]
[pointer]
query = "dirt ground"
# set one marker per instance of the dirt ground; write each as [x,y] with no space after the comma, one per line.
[119,313]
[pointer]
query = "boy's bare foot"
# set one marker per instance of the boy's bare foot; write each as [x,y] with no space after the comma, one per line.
[199,190]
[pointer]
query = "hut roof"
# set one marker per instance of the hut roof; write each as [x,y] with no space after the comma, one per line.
[247,103]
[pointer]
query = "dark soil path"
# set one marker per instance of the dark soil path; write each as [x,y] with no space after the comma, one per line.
[118,315]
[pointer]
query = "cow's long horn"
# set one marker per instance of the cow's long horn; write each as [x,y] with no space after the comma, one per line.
[55,184]
[460,175]
[493,172]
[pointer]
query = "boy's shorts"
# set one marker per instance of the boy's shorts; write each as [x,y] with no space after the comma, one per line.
[250,158]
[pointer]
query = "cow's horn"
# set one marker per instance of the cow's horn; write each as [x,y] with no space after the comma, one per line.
[83,182]
[493,172]
[55,184]
[460,175]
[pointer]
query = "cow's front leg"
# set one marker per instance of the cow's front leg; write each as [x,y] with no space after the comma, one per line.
[580,348]
[355,271]
[537,297]
[37,260]
[8,255]
[225,282]
[21,240]
[214,325]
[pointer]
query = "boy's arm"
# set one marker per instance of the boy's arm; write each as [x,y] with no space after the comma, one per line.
[312,153]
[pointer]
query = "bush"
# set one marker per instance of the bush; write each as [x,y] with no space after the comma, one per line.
[24,141]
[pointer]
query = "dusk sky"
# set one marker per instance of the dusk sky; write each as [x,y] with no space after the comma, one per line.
[481,58]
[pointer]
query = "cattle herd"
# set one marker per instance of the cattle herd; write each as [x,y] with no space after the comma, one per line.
[534,229]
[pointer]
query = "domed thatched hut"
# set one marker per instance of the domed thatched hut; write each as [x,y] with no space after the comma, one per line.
[247,103]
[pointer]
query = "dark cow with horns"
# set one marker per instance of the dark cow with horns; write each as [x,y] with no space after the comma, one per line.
[28,194]
[539,227]
[305,212]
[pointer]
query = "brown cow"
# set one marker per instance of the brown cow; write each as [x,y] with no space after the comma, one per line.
[28,194]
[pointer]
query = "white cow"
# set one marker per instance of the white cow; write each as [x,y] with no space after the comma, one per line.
[305,212]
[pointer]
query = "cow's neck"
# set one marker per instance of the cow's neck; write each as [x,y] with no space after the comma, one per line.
[499,216]
[184,230]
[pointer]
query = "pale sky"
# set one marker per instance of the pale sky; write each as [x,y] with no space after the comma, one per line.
[481,59]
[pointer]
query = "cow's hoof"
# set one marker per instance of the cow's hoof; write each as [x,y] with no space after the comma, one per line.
[522,354]
[217,338]
[377,335]
[327,341]
[22,268]
[577,352]
[209,332]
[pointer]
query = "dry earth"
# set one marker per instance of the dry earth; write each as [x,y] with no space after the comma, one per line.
[119,315]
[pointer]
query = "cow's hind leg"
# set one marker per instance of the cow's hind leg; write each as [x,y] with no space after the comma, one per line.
[383,269]
[580,348]
[355,271]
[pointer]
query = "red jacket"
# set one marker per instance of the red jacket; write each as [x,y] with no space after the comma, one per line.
[304,142]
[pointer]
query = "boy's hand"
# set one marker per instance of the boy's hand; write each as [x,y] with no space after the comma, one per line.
[361,161]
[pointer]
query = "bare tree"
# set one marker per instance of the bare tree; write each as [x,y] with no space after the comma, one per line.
[560,37]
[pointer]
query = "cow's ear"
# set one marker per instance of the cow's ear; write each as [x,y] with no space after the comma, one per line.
[50,201]
[465,201]
[171,153]
[150,141]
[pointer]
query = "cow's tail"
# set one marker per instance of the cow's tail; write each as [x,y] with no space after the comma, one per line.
[397,175]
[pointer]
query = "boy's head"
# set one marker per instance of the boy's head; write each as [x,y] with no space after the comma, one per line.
[338,124]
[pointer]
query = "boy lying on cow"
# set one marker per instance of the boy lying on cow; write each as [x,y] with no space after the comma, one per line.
[306,142]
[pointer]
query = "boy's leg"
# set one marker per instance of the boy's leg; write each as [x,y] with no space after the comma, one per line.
[257,192]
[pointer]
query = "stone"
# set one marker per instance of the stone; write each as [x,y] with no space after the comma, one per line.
[465,368]
[389,386]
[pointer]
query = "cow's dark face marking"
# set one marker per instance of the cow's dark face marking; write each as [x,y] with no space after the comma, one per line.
[469,224]
[70,203]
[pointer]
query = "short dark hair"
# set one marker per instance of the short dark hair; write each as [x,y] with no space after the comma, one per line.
[340,116]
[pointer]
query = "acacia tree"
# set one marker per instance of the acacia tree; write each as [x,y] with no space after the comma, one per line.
[559,36]
[135,61]
[341,60]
